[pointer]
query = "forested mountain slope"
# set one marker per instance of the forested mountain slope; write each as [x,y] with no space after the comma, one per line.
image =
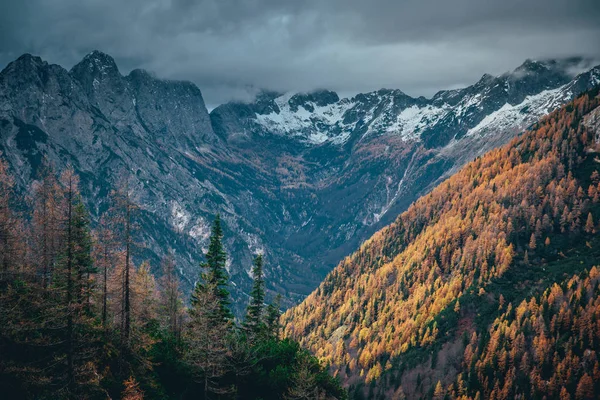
[432,297]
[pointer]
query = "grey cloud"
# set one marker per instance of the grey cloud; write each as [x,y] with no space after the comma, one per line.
[230,48]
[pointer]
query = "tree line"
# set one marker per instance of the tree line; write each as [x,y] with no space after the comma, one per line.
[80,320]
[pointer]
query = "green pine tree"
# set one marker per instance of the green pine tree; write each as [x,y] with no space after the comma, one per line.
[254,323]
[215,274]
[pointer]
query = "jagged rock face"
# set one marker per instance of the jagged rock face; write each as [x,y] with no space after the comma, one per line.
[110,128]
[303,178]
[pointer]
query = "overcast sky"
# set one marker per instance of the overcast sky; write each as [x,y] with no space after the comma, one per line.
[230,48]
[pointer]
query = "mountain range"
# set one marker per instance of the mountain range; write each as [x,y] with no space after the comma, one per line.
[302,177]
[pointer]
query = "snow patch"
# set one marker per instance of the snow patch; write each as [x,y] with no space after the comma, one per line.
[314,127]
[519,115]
[410,122]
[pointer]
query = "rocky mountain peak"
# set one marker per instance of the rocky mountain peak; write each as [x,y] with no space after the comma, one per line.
[96,64]
[37,92]
[25,68]
[28,61]
[104,85]
[564,68]
[486,79]
[173,110]
[532,66]
[265,102]
[319,98]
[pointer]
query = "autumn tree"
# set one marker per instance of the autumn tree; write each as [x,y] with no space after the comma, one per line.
[70,284]
[132,390]
[304,385]
[585,388]
[206,336]
[438,392]
[532,242]
[105,259]
[589,225]
[144,299]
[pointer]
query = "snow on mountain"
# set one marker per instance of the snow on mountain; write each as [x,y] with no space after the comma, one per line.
[409,123]
[531,109]
[510,101]
[309,120]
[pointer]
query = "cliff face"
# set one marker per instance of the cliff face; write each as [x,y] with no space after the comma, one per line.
[302,177]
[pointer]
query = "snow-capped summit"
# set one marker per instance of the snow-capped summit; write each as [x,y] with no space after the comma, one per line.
[514,99]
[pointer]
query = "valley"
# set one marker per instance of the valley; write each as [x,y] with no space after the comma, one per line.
[313,173]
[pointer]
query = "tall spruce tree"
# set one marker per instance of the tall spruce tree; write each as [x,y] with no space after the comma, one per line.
[254,324]
[70,182]
[215,275]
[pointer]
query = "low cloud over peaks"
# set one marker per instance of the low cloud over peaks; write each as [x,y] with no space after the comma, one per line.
[229,46]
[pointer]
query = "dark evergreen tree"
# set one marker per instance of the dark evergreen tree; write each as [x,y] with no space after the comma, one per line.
[215,274]
[254,322]
[70,182]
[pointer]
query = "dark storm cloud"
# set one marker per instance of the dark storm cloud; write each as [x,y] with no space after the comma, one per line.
[231,47]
